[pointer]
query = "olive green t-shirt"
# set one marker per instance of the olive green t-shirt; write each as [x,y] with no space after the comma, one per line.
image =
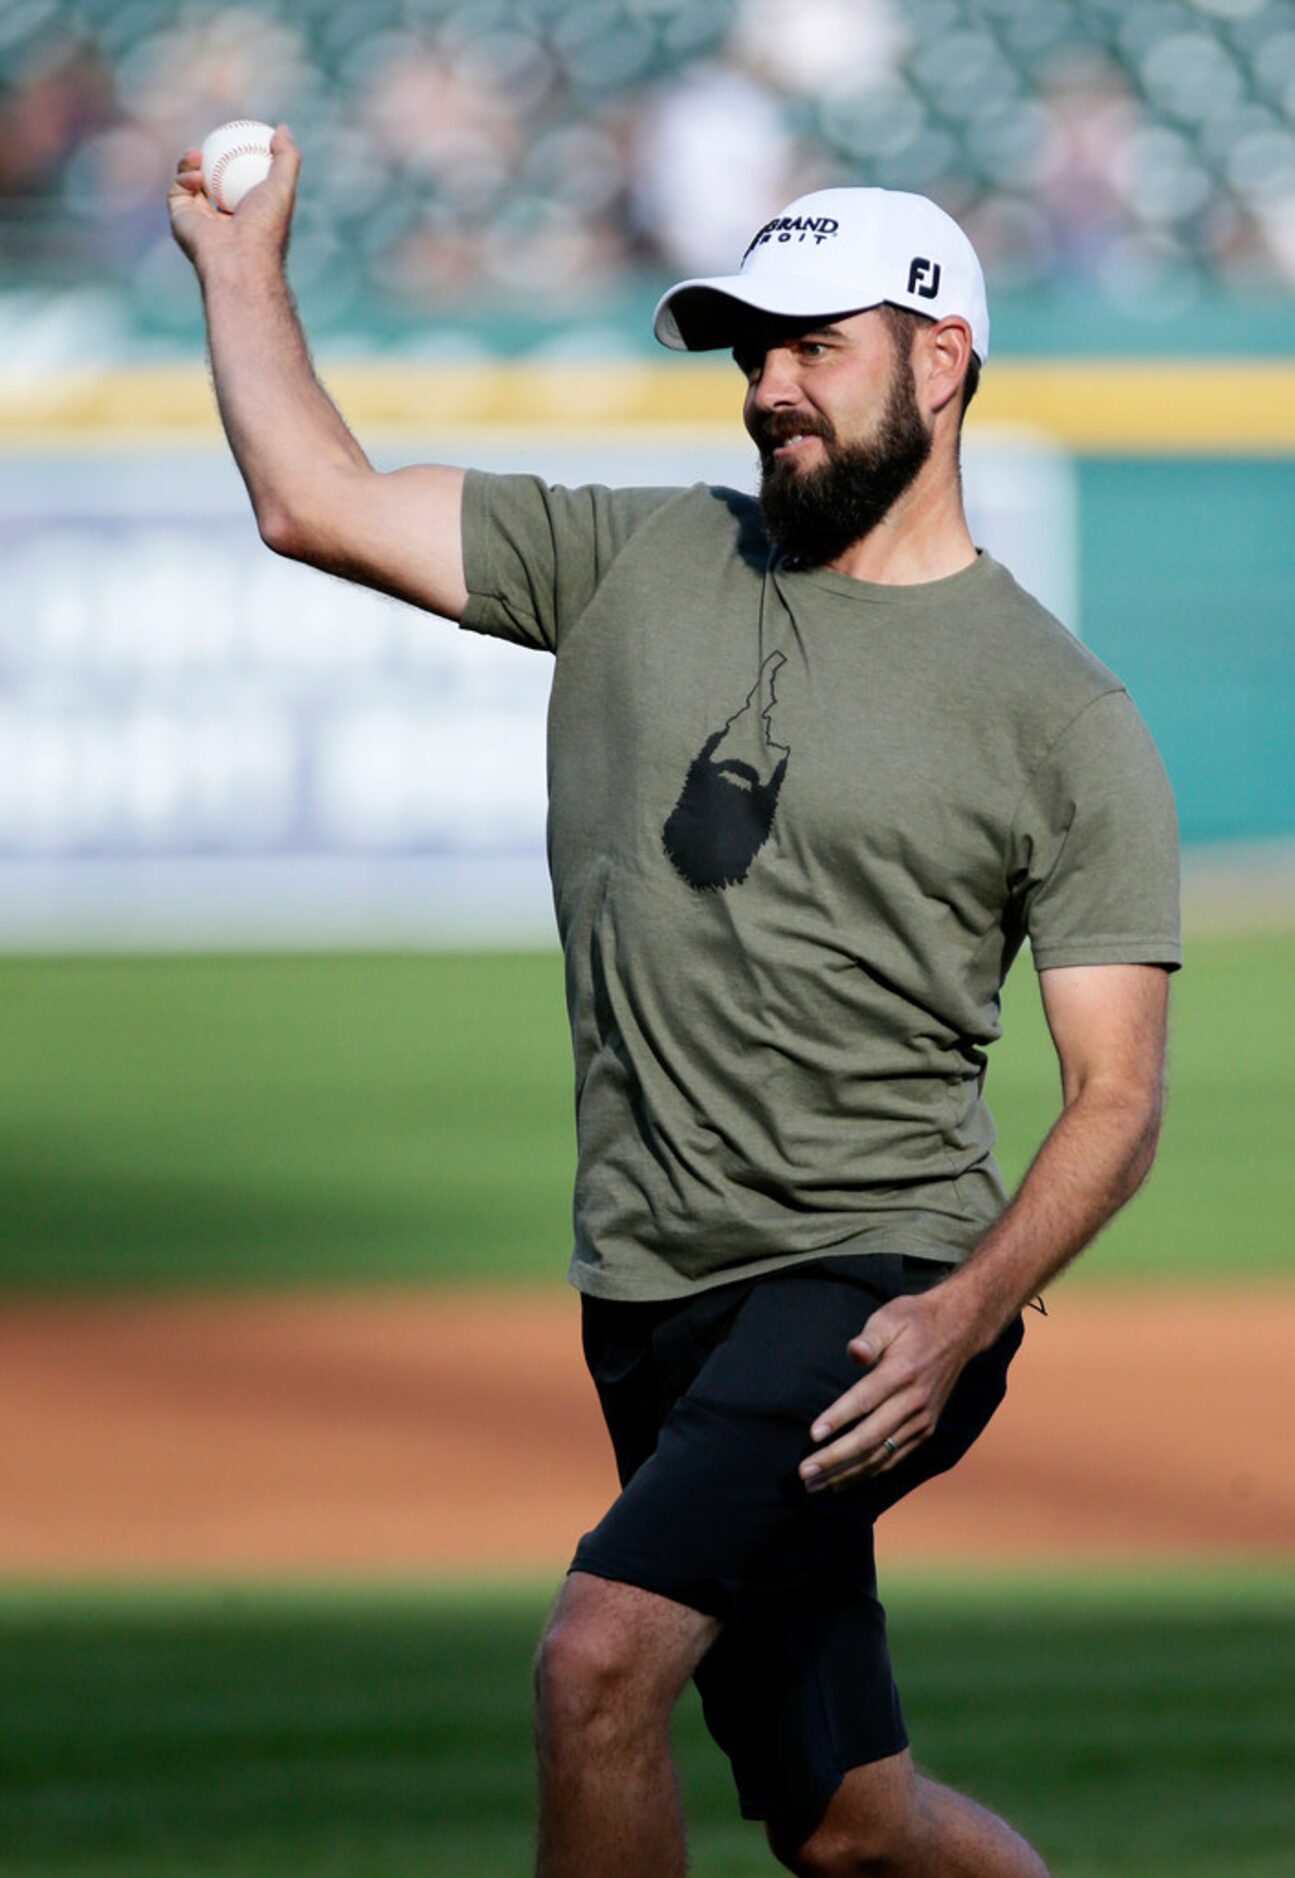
[799,827]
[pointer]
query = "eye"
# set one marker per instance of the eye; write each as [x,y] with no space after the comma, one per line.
[812,349]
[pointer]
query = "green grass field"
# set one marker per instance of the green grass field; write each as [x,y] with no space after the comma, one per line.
[384,1735]
[287,1120]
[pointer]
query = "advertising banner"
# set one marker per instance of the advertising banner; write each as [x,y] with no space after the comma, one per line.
[201,742]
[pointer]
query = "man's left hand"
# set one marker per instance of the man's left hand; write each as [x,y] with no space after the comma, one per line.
[914,1350]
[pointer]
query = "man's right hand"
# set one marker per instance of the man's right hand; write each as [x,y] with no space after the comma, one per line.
[259,225]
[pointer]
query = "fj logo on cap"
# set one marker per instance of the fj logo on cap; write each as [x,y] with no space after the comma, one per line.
[919,268]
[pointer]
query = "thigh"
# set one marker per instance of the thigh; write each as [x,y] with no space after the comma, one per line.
[798,1687]
[643,1356]
[798,1691]
[710,1409]
[709,1404]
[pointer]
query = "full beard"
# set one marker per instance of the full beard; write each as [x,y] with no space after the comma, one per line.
[815,515]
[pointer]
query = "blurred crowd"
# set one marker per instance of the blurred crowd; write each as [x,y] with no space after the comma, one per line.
[548,152]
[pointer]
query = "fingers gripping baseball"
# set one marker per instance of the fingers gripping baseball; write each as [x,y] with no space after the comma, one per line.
[285,167]
[260,218]
[912,1357]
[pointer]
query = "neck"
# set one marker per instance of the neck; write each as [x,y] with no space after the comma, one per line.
[924,536]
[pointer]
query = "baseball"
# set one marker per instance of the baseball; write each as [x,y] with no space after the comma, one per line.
[234,159]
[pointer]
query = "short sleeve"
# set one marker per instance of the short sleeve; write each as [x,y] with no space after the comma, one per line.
[1095,865]
[534,554]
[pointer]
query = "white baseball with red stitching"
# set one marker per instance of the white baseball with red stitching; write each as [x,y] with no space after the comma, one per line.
[234,159]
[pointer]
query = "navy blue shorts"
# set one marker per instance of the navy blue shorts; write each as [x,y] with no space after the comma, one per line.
[709,1401]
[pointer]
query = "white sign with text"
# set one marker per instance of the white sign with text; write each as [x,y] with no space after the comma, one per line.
[203,743]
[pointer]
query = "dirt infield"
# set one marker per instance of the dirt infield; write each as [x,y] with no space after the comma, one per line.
[410,1432]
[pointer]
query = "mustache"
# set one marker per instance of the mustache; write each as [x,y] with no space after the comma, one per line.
[774,429]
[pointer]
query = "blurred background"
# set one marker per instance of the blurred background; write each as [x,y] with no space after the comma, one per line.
[487,174]
[293,1434]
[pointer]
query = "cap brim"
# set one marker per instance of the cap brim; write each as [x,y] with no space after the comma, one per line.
[701,315]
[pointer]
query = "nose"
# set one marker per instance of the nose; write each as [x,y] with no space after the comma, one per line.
[774,384]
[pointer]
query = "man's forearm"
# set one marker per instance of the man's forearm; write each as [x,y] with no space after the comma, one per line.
[1092,1161]
[914,1348]
[283,428]
[1108,1024]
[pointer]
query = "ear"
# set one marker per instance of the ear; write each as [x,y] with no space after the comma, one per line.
[947,354]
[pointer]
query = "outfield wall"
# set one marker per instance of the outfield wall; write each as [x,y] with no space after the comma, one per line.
[201,742]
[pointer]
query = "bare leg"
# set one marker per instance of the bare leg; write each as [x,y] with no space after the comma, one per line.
[611,1664]
[886,1820]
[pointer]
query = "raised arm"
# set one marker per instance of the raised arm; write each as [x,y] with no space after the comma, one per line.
[316,496]
[1108,1026]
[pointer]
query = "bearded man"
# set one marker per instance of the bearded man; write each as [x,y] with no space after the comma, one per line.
[818,768]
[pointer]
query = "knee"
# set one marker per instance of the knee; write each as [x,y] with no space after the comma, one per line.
[840,1859]
[875,1849]
[588,1680]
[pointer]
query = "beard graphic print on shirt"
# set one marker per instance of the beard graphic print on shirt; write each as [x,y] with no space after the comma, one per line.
[725,813]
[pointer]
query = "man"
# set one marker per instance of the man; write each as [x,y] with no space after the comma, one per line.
[817,769]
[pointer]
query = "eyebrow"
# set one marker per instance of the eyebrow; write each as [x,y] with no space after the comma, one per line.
[773,338]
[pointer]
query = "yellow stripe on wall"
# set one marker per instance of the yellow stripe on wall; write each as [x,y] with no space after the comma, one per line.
[1126,406]
[1147,406]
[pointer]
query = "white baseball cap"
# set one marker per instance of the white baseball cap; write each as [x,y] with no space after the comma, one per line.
[834,252]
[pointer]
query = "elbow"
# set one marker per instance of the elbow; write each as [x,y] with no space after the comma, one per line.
[280,532]
[308,517]
[1130,1112]
[1145,1152]
[1144,1119]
